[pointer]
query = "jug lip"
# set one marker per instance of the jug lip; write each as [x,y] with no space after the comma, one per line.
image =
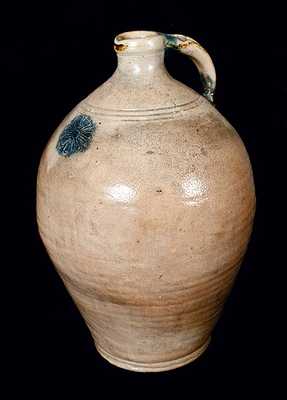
[139,42]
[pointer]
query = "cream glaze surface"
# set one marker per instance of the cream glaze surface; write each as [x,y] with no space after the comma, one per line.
[148,226]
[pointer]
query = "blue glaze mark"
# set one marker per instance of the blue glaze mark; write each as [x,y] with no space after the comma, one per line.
[209,87]
[171,40]
[76,136]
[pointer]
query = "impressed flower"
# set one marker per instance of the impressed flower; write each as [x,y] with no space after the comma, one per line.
[76,136]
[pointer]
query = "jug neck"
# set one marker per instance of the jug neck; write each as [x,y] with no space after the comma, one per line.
[140,54]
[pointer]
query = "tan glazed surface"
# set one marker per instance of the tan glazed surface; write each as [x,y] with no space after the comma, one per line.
[148,225]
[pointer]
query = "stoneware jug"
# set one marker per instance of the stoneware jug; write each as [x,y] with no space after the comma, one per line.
[145,203]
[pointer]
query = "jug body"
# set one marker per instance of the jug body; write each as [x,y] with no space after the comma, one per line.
[145,203]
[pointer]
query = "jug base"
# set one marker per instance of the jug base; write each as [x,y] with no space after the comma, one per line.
[153,367]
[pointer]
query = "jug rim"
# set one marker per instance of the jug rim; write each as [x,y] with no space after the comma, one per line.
[139,41]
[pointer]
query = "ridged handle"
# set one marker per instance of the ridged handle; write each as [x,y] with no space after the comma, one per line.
[199,56]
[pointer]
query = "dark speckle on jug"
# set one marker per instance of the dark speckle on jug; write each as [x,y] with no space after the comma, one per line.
[76,136]
[203,151]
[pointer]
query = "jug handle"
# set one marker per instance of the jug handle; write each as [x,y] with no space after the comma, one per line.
[199,56]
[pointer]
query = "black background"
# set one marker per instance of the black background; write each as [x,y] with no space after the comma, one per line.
[52,56]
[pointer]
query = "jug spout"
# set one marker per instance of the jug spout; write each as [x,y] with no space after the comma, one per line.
[140,53]
[139,42]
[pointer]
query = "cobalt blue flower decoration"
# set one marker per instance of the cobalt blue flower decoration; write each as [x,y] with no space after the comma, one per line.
[76,136]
